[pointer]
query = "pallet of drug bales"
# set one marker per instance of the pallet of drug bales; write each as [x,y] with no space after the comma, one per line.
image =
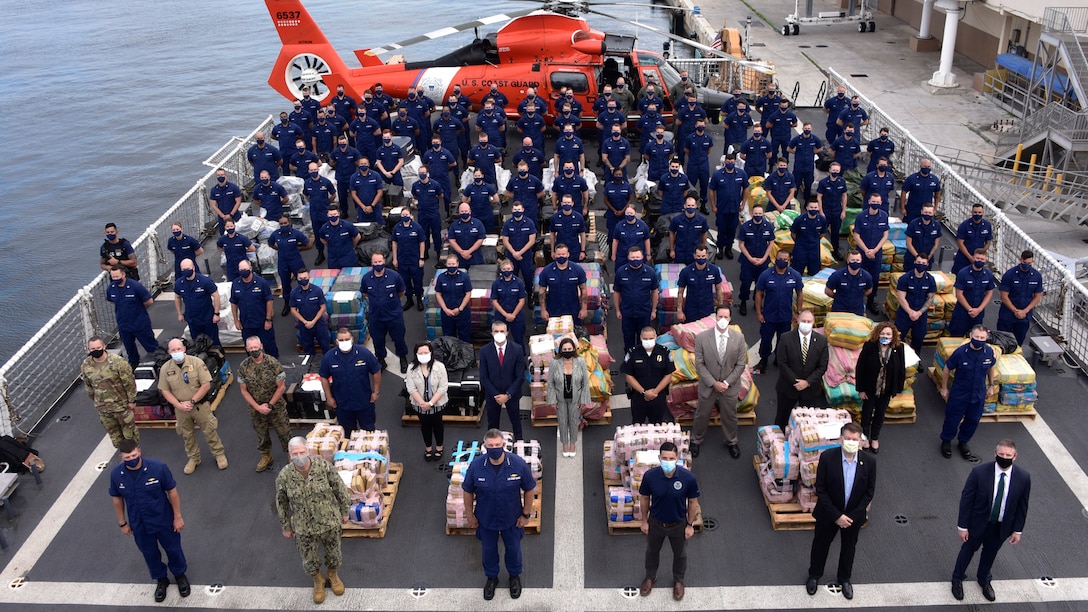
[634,527]
[389,497]
[171,423]
[448,419]
[532,526]
[744,418]
[551,421]
[901,417]
[1018,416]
[786,517]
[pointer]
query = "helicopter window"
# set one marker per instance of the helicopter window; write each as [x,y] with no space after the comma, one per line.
[575,81]
[645,59]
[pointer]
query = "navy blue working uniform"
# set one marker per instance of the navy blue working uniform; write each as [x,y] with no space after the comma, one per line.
[780,124]
[419,112]
[756,153]
[466,234]
[569,148]
[615,151]
[617,196]
[288,243]
[804,149]
[366,140]
[428,194]
[975,234]
[573,185]
[324,135]
[311,106]
[779,184]
[479,195]
[756,238]
[780,290]
[340,240]
[883,185]
[736,129]
[384,312]
[145,492]
[561,287]
[225,194]
[645,101]
[285,134]
[366,186]
[607,119]
[461,113]
[344,160]
[270,197]
[308,300]
[920,189]
[690,233]
[687,114]
[534,158]
[648,368]
[532,126]
[386,104]
[304,120]
[768,103]
[967,392]
[834,107]
[499,503]
[635,287]
[881,146]
[484,156]
[632,232]
[440,161]
[406,240]
[183,247]
[196,295]
[344,105]
[673,189]
[300,160]
[699,286]
[807,230]
[453,285]
[919,291]
[133,322]
[975,284]
[319,192]
[251,298]
[507,292]
[830,190]
[853,115]
[569,228]
[1022,282]
[646,126]
[375,109]
[519,230]
[264,156]
[528,190]
[492,123]
[449,129]
[871,228]
[727,187]
[540,103]
[923,237]
[351,386]
[235,246]
[389,155]
[846,151]
[850,290]
[697,148]
[657,154]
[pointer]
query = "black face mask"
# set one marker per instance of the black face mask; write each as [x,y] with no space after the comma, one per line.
[1003,462]
[97,354]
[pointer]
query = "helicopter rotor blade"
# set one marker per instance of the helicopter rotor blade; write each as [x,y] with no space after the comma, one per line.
[441,32]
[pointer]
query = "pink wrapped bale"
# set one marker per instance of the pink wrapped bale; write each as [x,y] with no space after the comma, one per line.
[841,366]
[685,333]
[776,490]
[806,496]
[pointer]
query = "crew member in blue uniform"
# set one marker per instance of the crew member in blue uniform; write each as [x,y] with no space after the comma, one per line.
[756,153]
[449,128]
[270,196]
[780,187]
[833,107]
[310,104]
[130,303]
[531,99]
[915,291]
[289,244]
[466,237]
[618,195]
[831,193]
[567,123]
[263,156]
[923,238]
[804,149]
[669,499]
[484,156]
[308,308]
[376,109]
[880,181]
[647,96]
[234,246]
[700,288]
[389,160]
[921,188]
[384,289]
[367,189]
[345,160]
[607,120]
[303,119]
[356,380]
[779,124]
[419,111]
[183,246]
[847,148]
[299,161]
[848,287]
[452,289]
[480,195]
[648,370]
[870,234]
[672,188]
[974,288]
[440,161]
[778,293]
[972,365]
[685,232]
[729,190]
[519,234]
[409,256]
[616,152]
[756,236]
[339,239]
[697,149]
[853,116]
[320,194]
[343,105]
[806,231]
[1021,289]
[569,148]
[635,291]
[251,306]
[657,152]
[200,298]
[366,131]
[498,492]
[571,184]
[491,122]
[460,108]
[533,157]
[531,125]
[509,298]
[688,113]
[737,124]
[323,134]
[562,286]
[631,232]
[225,198]
[285,134]
[429,197]
[880,147]
[767,103]
[340,125]
[647,127]
[972,234]
[569,227]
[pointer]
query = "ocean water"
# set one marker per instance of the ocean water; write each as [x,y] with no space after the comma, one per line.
[108,109]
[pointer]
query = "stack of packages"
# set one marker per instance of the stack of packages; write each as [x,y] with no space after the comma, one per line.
[489,250]
[903,403]
[897,236]
[940,309]
[347,309]
[1016,384]
[669,292]
[479,302]
[945,347]
[324,440]
[811,431]
[479,305]
[890,252]
[325,278]
[840,381]
[364,466]
[814,298]
[757,196]
[782,240]
[628,456]
[349,279]
[684,388]
[846,333]
[594,351]
[456,513]
[597,291]
[779,465]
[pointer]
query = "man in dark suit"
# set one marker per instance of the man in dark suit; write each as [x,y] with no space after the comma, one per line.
[502,371]
[993,508]
[802,361]
[845,483]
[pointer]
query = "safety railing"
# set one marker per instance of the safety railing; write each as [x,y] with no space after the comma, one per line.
[36,377]
[1065,20]
[1063,311]
[721,74]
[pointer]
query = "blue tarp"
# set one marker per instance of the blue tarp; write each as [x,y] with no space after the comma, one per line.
[1023,66]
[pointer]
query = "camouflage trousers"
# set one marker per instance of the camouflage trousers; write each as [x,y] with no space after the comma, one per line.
[120,425]
[278,420]
[309,546]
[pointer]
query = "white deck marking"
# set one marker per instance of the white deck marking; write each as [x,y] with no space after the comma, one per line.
[1059,457]
[569,560]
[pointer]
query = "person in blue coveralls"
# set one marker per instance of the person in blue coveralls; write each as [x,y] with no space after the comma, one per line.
[972,234]
[915,291]
[635,291]
[234,246]
[697,149]
[409,256]
[299,160]
[448,128]
[508,299]
[344,105]
[921,188]
[484,156]
[729,189]
[519,234]
[756,236]
[389,160]
[569,148]
[806,231]
[387,104]
[616,152]
[345,161]
[685,232]
[339,238]
[1021,289]
[656,153]
[376,110]
[571,184]
[384,289]
[479,196]
[303,119]
[831,193]
[780,186]
[130,303]
[263,156]
[972,364]
[440,161]
[200,298]
[491,122]
[310,104]
[756,153]
[618,195]
[418,108]
[466,237]
[498,488]
[225,198]
[562,287]
[767,103]
[870,234]
[145,498]
[569,227]
[879,181]
[646,126]
[323,134]
[366,131]
[779,124]
[778,293]
[607,122]
[460,108]
[183,246]
[356,381]
[452,292]
[923,238]
[804,149]
[367,189]
[251,307]
[430,196]
[632,232]
[848,287]
[308,307]
[289,244]
[847,148]
[974,288]
[270,196]
[534,159]
[320,194]
[672,187]
[700,287]
[833,107]
[880,147]
[502,373]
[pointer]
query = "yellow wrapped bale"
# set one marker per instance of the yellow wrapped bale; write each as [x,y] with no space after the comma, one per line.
[1013,370]
[847,330]
[902,403]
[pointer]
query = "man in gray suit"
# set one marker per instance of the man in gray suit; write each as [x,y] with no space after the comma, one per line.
[720,358]
[802,361]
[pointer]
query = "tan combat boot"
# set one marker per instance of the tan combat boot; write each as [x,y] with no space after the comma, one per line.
[264,463]
[190,466]
[319,588]
[337,584]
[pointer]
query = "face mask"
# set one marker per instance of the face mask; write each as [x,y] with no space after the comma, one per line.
[303,282]
[977,344]
[368,99]
[260,142]
[882,168]
[561,259]
[300,462]
[781,171]
[841,94]
[835,175]
[254,353]
[132,463]
[699,129]
[927,218]
[723,324]
[921,267]
[730,165]
[849,134]
[451,269]
[111,236]
[423,357]
[523,173]
[344,345]
[873,208]
[478,180]
[854,265]
[630,218]
[700,261]
[924,171]
[364,168]
[246,274]
[757,135]
[568,354]
[976,218]
[648,344]
[221,179]
[850,447]
[334,219]
[674,171]
[853,105]
[757,219]
[620,86]
[804,328]
[507,274]
[97,353]
[1002,462]
[177,234]
[812,213]
[266,180]
[567,207]
[230,231]
[1025,267]
[466,216]
[978,265]
[178,357]
[781,264]
[500,338]
[616,135]
[689,212]
[518,215]
[387,140]
[885,341]
[402,114]
[659,136]
[494,454]
[806,132]
[635,263]
[379,268]
[568,171]
[406,220]
[668,466]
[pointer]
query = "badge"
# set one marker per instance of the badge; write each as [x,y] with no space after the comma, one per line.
[678,485]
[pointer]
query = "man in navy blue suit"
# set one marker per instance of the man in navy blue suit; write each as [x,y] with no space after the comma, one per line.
[993,508]
[502,371]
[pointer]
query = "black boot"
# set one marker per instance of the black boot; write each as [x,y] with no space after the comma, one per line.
[408,305]
[743,308]
[286,307]
[320,258]
[419,303]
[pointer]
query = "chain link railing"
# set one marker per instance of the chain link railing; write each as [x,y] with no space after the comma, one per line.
[41,372]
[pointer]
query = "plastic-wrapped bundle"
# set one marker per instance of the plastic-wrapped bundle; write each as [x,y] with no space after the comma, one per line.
[684,362]
[367,515]
[685,333]
[806,496]
[1016,395]
[776,453]
[362,441]
[344,302]
[841,366]
[622,505]
[748,396]
[847,330]
[683,392]
[775,489]
[842,394]
[903,403]
[1013,370]
[557,326]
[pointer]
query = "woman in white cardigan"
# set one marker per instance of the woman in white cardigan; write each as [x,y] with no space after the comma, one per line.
[428,387]
[568,389]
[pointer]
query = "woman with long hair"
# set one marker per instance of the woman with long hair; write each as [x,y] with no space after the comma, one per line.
[881,374]
[568,389]
[428,389]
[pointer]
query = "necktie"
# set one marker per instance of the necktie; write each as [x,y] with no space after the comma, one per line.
[721,347]
[804,349]
[501,352]
[995,513]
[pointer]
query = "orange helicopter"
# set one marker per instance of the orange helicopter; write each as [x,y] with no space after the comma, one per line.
[547,48]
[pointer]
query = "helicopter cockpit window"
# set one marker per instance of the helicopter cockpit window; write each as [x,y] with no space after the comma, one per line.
[575,81]
[645,59]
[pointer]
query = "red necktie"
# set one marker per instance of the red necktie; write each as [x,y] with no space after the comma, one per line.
[501,351]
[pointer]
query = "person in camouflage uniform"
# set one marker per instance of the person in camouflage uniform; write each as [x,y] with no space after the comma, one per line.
[112,387]
[262,381]
[313,505]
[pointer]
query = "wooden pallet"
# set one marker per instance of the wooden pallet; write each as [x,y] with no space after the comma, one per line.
[634,527]
[449,420]
[171,423]
[553,421]
[744,418]
[532,527]
[785,517]
[389,497]
[1009,417]
[900,418]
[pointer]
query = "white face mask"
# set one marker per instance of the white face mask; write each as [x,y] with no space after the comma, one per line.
[723,324]
[178,357]
[424,357]
[804,328]
[344,345]
[500,338]
[648,344]
[851,446]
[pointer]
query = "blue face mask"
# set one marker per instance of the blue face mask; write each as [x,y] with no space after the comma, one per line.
[927,218]
[518,215]
[177,234]
[451,269]
[701,261]
[976,218]
[854,265]
[921,267]
[132,463]
[978,265]
[668,466]
[806,132]
[379,268]
[924,171]
[757,218]
[885,341]
[567,207]
[364,168]
[111,236]
[561,259]
[494,453]
[730,165]
[423,176]
[630,218]
[1025,267]
[246,274]
[507,274]
[523,173]
[781,264]
[314,175]
[977,344]
[635,263]
[466,216]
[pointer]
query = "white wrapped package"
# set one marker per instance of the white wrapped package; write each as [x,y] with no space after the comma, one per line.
[293,184]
